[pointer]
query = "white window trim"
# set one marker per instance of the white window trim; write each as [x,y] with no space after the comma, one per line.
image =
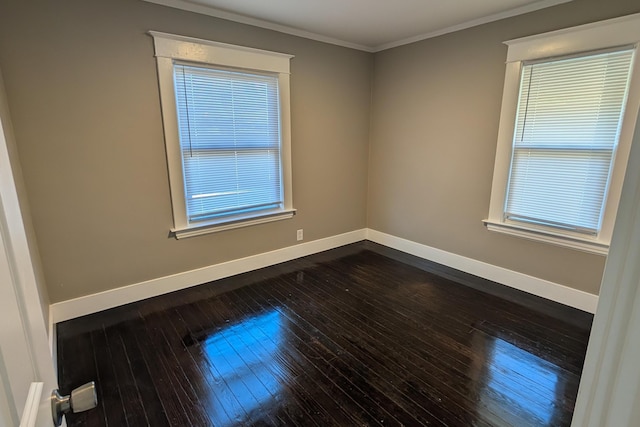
[623,31]
[170,48]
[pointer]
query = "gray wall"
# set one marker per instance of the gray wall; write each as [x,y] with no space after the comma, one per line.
[416,161]
[83,92]
[436,109]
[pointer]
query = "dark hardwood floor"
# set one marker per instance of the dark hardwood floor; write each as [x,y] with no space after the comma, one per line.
[360,335]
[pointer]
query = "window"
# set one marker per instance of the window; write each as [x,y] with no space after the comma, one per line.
[226,121]
[570,104]
[566,133]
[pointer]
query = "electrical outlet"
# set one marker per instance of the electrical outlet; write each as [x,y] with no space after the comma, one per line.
[299,235]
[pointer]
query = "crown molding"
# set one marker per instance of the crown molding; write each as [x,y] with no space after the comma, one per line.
[473,23]
[242,19]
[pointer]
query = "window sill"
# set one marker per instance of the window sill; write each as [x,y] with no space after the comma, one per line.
[584,244]
[230,224]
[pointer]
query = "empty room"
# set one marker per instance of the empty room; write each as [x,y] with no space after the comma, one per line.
[320,213]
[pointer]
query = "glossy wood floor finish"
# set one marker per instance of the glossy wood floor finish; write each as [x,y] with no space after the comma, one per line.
[360,335]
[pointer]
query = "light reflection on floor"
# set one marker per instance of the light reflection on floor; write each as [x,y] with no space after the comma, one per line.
[519,385]
[244,362]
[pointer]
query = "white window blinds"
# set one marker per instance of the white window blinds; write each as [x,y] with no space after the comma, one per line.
[229,125]
[567,128]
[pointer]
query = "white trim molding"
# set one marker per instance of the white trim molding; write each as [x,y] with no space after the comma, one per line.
[593,37]
[169,48]
[615,32]
[89,304]
[261,23]
[32,405]
[533,285]
[254,220]
[175,46]
[94,303]
[574,242]
[532,7]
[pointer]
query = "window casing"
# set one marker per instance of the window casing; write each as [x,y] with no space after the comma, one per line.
[226,118]
[570,104]
[567,124]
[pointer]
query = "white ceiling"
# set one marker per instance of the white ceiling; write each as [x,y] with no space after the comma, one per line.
[369,25]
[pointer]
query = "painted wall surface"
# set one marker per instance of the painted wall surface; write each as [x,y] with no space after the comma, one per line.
[83,90]
[414,161]
[435,115]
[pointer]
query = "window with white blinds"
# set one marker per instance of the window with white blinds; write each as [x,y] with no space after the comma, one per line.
[568,122]
[226,115]
[569,112]
[229,128]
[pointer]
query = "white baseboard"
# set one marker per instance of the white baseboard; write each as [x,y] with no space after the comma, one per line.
[533,285]
[94,303]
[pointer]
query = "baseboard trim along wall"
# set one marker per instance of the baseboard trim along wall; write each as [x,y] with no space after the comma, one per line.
[94,303]
[533,285]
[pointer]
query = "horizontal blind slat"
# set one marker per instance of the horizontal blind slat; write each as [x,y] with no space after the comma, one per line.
[566,131]
[229,131]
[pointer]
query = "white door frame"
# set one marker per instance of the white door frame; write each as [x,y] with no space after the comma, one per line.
[609,393]
[33,374]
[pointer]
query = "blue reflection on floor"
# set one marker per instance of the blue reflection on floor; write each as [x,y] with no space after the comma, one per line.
[526,381]
[243,362]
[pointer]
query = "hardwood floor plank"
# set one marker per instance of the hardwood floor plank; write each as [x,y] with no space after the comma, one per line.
[381,349]
[442,290]
[153,408]
[165,382]
[80,370]
[460,385]
[317,357]
[568,319]
[135,415]
[359,376]
[536,323]
[332,401]
[114,413]
[228,369]
[250,334]
[189,382]
[351,336]
[455,327]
